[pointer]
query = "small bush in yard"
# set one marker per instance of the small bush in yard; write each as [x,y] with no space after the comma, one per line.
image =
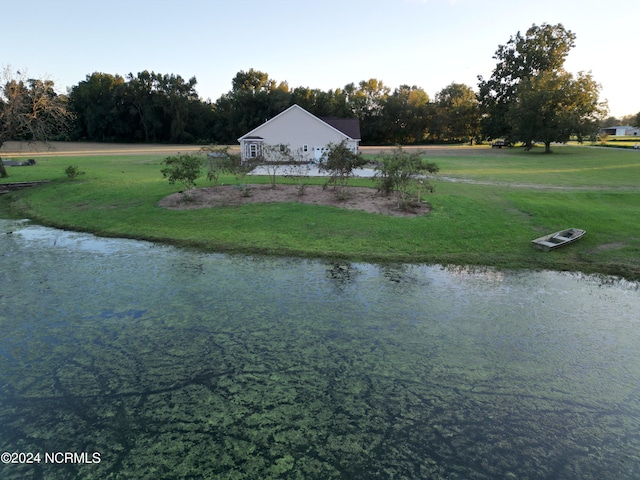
[184,169]
[73,171]
[340,162]
[402,172]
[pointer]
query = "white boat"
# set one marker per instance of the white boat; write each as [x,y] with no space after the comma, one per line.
[558,239]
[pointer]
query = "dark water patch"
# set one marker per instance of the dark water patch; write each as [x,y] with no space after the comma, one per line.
[174,364]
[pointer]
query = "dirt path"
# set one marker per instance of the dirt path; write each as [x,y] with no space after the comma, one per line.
[40,149]
[52,149]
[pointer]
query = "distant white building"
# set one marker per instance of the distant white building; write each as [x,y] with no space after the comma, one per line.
[301,131]
[621,131]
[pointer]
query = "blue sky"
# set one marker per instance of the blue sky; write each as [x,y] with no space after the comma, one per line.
[312,43]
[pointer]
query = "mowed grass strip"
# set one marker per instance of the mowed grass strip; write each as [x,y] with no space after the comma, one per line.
[570,167]
[501,199]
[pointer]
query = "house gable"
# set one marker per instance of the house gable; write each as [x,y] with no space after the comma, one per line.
[301,131]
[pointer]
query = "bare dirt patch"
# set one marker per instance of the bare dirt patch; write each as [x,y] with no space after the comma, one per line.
[67,149]
[358,198]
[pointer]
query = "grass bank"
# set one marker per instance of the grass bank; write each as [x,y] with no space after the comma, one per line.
[487,207]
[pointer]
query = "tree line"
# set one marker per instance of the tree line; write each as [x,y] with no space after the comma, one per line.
[154,107]
[528,98]
[147,107]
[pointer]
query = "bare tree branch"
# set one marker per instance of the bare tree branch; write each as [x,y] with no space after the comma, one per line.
[30,110]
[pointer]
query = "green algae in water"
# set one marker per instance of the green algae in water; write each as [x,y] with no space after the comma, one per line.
[176,364]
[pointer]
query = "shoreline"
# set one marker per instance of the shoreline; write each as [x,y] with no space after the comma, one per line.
[614,273]
[469,224]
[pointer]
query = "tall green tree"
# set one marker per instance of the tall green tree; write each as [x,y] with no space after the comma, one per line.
[31,110]
[367,104]
[254,98]
[406,115]
[553,106]
[611,121]
[541,49]
[145,105]
[253,81]
[457,116]
[102,111]
[161,105]
[332,103]
[175,95]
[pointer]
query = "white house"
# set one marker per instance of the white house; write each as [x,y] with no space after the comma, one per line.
[301,131]
[621,130]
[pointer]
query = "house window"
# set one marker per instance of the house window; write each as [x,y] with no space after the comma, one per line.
[253,150]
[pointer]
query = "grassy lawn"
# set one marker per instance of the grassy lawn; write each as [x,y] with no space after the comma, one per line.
[492,203]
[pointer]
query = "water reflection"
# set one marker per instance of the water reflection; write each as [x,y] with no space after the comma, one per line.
[177,364]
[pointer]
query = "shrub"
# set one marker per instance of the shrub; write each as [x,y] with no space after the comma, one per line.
[73,171]
[218,160]
[184,169]
[400,172]
[340,162]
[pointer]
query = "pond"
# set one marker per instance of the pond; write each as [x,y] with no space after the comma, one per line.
[123,359]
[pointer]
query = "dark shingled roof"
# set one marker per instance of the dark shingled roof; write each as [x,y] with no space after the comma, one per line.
[348,126]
